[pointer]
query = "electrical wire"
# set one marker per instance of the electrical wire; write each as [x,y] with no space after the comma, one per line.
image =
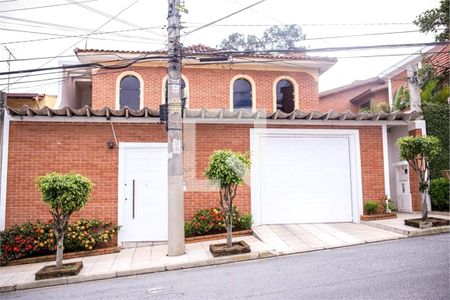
[309,24]
[223,18]
[98,28]
[246,61]
[110,16]
[56,26]
[237,54]
[63,36]
[43,6]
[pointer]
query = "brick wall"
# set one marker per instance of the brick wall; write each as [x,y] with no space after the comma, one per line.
[340,101]
[38,148]
[208,88]
[399,80]
[237,138]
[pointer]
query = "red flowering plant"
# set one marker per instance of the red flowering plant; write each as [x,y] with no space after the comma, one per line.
[211,221]
[36,239]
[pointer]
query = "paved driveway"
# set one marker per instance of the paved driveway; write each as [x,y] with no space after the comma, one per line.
[293,238]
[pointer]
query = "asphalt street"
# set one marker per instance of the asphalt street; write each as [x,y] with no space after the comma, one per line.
[415,268]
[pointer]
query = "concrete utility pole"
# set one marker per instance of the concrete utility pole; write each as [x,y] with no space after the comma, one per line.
[175,135]
[413,87]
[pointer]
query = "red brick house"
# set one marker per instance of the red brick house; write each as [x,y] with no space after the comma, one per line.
[360,93]
[306,166]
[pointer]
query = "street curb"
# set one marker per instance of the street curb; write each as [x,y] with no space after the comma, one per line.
[412,233]
[146,270]
[189,265]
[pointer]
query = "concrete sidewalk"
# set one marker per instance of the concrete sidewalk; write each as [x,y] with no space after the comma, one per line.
[269,240]
[131,261]
[398,225]
[295,238]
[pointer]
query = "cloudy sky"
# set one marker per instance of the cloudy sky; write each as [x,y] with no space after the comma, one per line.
[40,29]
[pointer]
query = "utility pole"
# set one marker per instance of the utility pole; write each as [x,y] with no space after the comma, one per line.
[175,135]
[413,87]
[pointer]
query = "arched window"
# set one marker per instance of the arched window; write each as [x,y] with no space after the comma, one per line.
[130,92]
[242,94]
[285,96]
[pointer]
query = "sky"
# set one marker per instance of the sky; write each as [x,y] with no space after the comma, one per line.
[30,32]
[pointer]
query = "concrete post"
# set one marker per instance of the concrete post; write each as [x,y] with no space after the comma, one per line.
[175,135]
[414,89]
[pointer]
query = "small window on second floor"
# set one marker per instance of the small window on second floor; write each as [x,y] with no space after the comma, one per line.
[130,92]
[242,94]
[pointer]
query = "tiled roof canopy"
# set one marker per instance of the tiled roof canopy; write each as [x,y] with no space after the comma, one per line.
[214,114]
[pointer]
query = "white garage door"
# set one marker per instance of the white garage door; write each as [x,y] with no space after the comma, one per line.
[303,178]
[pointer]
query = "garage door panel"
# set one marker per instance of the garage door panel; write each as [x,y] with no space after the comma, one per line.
[305,179]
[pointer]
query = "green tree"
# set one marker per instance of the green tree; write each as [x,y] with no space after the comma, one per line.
[275,37]
[227,169]
[65,194]
[433,20]
[418,151]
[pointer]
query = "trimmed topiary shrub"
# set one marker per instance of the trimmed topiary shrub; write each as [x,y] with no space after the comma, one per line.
[65,194]
[370,207]
[439,193]
[227,169]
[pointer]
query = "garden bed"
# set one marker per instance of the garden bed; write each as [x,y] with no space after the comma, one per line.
[222,249]
[217,236]
[70,269]
[376,217]
[52,257]
[418,223]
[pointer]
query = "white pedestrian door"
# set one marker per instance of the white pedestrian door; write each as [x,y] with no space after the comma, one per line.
[143,192]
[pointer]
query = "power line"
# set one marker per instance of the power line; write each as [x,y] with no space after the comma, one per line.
[223,18]
[56,26]
[260,13]
[252,61]
[237,54]
[110,16]
[331,49]
[248,60]
[43,6]
[358,35]
[58,36]
[311,24]
[97,29]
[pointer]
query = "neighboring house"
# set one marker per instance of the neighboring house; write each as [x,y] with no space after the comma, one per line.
[355,96]
[382,88]
[33,100]
[306,166]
